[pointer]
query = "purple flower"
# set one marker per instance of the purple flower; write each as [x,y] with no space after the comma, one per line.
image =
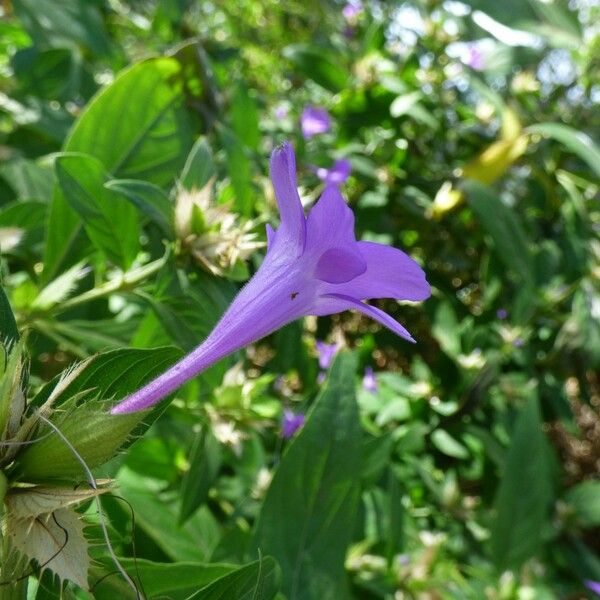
[502,313]
[338,174]
[313,266]
[281,112]
[352,10]
[314,120]
[291,423]
[321,377]
[475,59]
[594,586]
[326,353]
[369,381]
[518,342]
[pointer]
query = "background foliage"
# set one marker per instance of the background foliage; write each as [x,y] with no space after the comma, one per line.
[472,471]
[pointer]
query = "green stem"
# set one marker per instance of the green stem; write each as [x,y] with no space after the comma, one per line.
[126,282]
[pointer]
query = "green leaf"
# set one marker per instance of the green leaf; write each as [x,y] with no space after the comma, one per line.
[320,64]
[257,581]
[150,201]
[137,128]
[306,519]
[244,117]
[59,289]
[110,221]
[446,444]
[584,498]
[8,326]
[576,141]
[240,172]
[30,180]
[83,395]
[199,166]
[156,512]
[525,493]
[175,580]
[205,462]
[504,228]
[55,24]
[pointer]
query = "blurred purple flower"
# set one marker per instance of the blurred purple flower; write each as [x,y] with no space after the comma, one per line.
[352,10]
[349,32]
[281,112]
[594,586]
[314,120]
[291,422]
[326,353]
[475,58]
[518,342]
[321,377]
[369,381]
[338,174]
[502,313]
[313,266]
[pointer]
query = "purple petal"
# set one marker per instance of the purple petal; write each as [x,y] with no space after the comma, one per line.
[283,176]
[279,292]
[291,423]
[373,312]
[369,381]
[326,353]
[338,174]
[330,223]
[594,586]
[270,236]
[339,265]
[390,274]
[314,120]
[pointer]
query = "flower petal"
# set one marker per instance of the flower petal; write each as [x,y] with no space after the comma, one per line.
[270,236]
[390,274]
[339,265]
[330,223]
[346,303]
[277,294]
[283,176]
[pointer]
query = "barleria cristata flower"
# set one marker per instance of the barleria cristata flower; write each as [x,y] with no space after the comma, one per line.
[314,266]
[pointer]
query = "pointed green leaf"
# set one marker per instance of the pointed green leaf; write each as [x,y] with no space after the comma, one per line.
[110,220]
[150,201]
[138,128]
[525,493]
[8,326]
[576,141]
[306,519]
[257,581]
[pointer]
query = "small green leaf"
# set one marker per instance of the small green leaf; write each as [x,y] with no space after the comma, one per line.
[584,498]
[205,461]
[8,326]
[199,166]
[446,444]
